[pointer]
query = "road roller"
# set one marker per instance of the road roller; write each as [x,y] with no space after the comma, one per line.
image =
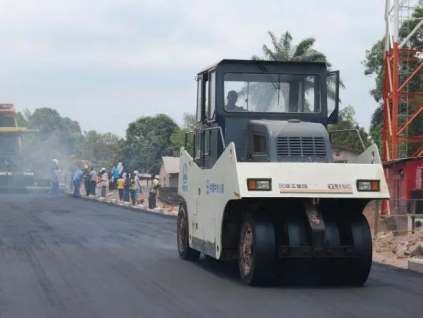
[259,185]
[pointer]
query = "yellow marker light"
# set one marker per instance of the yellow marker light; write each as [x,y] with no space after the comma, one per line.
[252,184]
[375,185]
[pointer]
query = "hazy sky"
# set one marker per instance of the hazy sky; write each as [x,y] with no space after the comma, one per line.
[107,62]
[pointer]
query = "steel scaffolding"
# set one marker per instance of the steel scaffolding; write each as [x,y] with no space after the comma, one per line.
[403,64]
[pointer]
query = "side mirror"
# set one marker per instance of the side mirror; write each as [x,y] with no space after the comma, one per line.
[332,82]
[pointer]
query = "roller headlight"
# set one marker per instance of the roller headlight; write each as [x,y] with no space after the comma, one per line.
[259,184]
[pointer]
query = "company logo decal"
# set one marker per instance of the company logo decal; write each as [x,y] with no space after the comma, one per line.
[293,186]
[211,187]
[185,177]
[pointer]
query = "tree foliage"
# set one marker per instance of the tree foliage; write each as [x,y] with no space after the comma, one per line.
[101,149]
[349,138]
[178,137]
[283,49]
[57,138]
[147,140]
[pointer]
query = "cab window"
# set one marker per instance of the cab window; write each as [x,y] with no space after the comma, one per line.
[259,143]
[199,98]
[212,95]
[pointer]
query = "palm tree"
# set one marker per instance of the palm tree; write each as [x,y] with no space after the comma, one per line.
[24,118]
[284,50]
[27,114]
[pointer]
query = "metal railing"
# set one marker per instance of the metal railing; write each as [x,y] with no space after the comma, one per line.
[406,216]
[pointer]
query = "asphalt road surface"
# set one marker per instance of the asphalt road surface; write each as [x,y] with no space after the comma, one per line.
[65,257]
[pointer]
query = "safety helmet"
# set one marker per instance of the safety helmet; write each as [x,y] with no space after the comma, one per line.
[103,169]
[85,166]
[56,161]
[136,172]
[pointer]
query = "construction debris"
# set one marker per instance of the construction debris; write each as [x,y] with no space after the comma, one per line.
[399,247]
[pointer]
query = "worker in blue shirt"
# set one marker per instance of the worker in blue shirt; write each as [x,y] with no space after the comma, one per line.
[115,175]
[77,179]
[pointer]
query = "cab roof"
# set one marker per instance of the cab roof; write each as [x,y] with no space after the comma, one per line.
[253,62]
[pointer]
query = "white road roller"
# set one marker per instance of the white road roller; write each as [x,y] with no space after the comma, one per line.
[260,185]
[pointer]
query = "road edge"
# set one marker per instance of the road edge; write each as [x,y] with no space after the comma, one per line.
[415,265]
[158,212]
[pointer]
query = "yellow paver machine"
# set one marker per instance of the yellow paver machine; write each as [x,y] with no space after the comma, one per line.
[13,174]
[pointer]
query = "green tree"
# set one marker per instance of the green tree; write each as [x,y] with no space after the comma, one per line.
[178,137]
[283,49]
[147,140]
[47,120]
[58,138]
[101,149]
[23,118]
[349,139]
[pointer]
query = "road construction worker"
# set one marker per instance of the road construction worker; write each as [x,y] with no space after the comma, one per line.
[54,175]
[126,186]
[115,173]
[104,182]
[133,189]
[120,167]
[93,181]
[87,178]
[154,191]
[121,187]
[77,178]
[138,187]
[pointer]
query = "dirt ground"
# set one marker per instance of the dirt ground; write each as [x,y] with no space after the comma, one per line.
[390,249]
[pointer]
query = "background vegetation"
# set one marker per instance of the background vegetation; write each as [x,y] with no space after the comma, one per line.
[150,137]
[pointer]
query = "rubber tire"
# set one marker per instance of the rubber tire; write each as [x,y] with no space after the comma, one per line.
[264,251]
[295,270]
[330,271]
[361,264]
[188,253]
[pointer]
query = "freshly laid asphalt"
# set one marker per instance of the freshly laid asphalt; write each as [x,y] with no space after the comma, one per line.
[65,257]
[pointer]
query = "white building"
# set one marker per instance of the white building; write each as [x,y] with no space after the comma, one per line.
[169,172]
[342,154]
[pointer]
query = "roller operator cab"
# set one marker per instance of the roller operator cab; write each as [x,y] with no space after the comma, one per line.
[257,179]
